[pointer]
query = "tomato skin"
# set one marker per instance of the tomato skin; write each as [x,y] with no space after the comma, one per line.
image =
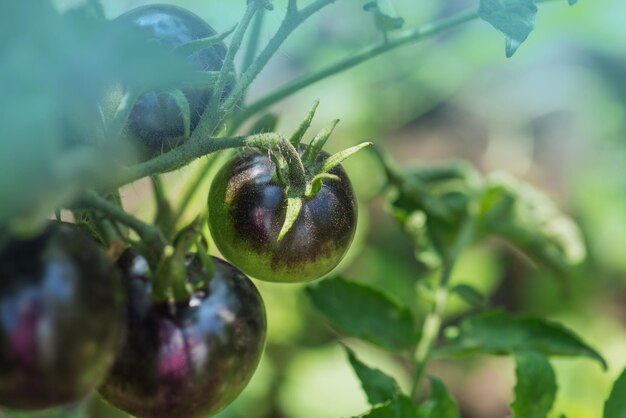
[192,358]
[247,206]
[61,321]
[156,119]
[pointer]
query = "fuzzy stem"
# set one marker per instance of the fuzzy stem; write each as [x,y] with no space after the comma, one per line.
[366,54]
[432,324]
[151,236]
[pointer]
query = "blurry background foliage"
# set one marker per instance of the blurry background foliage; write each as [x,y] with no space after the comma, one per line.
[554,115]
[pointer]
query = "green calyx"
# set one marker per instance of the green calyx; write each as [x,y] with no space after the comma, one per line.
[303,176]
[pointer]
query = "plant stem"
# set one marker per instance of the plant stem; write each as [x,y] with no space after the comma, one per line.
[150,235]
[366,54]
[434,320]
[292,20]
[213,113]
[254,39]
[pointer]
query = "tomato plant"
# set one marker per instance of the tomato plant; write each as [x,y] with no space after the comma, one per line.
[162,119]
[82,82]
[61,324]
[247,209]
[192,359]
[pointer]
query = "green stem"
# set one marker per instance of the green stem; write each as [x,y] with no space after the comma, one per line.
[292,20]
[212,115]
[150,235]
[254,39]
[365,55]
[434,320]
[177,158]
[192,187]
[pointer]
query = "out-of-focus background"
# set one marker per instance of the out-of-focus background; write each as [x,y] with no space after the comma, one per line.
[554,115]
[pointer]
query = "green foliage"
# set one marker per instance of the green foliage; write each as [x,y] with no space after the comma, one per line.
[363,312]
[498,332]
[615,406]
[536,385]
[400,407]
[440,403]
[531,221]
[514,18]
[378,387]
[470,295]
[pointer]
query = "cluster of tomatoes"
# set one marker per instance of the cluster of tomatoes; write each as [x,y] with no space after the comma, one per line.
[72,320]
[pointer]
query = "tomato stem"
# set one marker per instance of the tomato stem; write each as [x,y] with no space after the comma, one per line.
[150,235]
[432,324]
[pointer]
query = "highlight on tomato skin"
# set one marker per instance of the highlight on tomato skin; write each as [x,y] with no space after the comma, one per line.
[156,118]
[247,206]
[61,319]
[191,358]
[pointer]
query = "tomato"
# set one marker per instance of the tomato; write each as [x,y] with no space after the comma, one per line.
[247,205]
[156,118]
[191,358]
[61,322]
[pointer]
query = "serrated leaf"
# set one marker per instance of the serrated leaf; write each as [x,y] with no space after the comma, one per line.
[615,406]
[440,403]
[498,332]
[536,386]
[363,312]
[378,387]
[470,295]
[401,407]
[531,221]
[515,19]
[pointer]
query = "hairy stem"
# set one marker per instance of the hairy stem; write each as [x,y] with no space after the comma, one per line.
[434,320]
[150,235]
[186,153]
[292,20]
[366,54]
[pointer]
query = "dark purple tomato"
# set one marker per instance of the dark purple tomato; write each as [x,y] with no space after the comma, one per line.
[191,358]
[156,119]
[247,205]
[61,318]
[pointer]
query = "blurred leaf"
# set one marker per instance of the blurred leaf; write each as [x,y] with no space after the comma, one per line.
[536,387]
[470,295]
[401,407]
[378,387]
[55,72]
[514,18]
[615,406]
[363,312]
[440,403]
[498,332]
[532,222]
[572,2]
[384,22]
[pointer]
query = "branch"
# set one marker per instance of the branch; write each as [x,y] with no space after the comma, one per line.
[360,57]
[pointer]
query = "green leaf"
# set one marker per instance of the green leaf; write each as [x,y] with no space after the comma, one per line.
[363,312]
[498,332]
[531,221]
[400,407]
[378,387]
[615,406]
[470,295]
[536,387]
[440,403]
[513,18]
